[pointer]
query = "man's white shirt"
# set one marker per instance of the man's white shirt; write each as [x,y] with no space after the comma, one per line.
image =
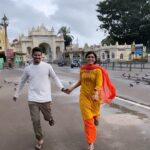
[39,89]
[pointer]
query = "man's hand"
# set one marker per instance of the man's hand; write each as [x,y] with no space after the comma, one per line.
[15,98]
[67,91]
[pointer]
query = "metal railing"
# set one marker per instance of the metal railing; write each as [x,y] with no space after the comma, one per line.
[126,65]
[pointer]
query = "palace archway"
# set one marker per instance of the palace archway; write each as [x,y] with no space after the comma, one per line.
[46,51]
[48,40]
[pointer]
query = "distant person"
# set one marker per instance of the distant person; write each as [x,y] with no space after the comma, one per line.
[92,93]
[9,64]
[27,63]
[38,75]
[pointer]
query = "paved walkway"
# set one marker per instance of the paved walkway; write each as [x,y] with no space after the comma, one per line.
[129,89]
[120,128]
[138,92]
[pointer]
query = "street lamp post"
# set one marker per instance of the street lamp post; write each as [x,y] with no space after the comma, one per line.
[4,23]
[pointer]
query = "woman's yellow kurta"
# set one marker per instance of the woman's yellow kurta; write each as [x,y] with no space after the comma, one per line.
[90,80]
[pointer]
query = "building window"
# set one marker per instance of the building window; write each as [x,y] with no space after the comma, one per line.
[58,53]
[29,50]
[119,49]
[57,50]
[121,56]
[112,55]
[103,56]
[130,56]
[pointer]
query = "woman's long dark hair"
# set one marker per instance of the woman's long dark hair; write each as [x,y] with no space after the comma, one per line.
[91,52]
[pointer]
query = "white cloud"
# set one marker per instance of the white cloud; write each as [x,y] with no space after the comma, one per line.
[79,15]
[47,7]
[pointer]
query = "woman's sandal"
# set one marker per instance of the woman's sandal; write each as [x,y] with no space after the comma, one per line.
[96,122]
[91,146]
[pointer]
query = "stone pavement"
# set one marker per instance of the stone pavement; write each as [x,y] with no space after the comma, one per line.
[139,93]
[119,129]
[129,89]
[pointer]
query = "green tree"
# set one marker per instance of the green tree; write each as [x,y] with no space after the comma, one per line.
[108,40]
[65,31]
[125,20]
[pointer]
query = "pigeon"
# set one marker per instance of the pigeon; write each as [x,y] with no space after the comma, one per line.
[9,82]
[131,85]
[137,82]
[129,76]
[15,84]
[146,75]
[70,82]
[123,74]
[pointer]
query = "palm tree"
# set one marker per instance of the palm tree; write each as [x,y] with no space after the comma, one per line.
[65,31]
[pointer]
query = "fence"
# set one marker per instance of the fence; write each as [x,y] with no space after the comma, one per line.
[126,65]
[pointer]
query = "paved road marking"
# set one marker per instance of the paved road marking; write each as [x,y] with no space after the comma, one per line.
[134,103]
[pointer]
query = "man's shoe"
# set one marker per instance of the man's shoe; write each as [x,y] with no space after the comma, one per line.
[39,145]
[51,122]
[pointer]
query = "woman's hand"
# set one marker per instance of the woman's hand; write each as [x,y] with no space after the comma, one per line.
[95,96]
[70,89]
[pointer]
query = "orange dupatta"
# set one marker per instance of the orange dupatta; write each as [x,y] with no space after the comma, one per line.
[108,91]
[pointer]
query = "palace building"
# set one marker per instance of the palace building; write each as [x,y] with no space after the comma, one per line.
[51,44]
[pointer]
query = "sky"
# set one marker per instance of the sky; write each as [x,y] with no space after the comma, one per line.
[79,15]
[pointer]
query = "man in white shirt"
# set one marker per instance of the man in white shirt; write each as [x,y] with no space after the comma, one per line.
[38,75]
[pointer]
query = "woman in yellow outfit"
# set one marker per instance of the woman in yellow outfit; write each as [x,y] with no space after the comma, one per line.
[91,84]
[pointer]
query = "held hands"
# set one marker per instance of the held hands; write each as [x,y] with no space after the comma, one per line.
[67,90]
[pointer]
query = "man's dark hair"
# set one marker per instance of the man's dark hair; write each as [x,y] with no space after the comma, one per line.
[91,52]
[36,49]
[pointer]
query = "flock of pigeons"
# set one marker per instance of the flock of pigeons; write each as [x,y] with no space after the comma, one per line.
[9,82]
[137,79]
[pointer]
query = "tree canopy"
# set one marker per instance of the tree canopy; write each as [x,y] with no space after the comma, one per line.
[108,40]
[125,20]
[65,31]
